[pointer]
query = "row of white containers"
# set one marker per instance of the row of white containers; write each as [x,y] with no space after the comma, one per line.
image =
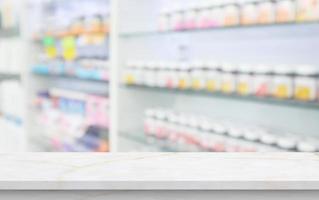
[183,15]
[282,81]
[190,132]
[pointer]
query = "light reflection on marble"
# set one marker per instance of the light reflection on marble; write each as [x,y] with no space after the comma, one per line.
[166,171]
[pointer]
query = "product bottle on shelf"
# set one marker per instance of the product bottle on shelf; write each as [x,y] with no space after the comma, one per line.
[198,75]
[248,12]
[184,79]
[171,78]
[151,69]
[285,11]
[191,16]
[177,17]
[161,74]
[216,14]
[213,80]
[305,82]
[245,80]
[228,78]
[128,77]
[307,10]
[204,18]
[308,145]
[282,82]
[262,80]
[164,20]
[266,12]
[287,142]
[231,13]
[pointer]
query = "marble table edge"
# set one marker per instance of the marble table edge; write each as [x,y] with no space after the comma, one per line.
[159,185]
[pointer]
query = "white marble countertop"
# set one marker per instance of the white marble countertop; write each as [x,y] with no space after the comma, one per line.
[159,171]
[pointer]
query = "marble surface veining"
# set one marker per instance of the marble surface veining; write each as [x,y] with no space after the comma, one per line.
[159,171]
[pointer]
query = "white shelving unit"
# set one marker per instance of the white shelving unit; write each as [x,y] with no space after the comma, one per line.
[139,40]
[13,137]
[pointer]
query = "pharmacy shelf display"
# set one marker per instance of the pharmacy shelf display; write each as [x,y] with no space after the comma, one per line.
[233,61]
[293,86]
[70,75]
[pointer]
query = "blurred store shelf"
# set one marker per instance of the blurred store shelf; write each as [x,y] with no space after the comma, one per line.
[250,98]
[271,30]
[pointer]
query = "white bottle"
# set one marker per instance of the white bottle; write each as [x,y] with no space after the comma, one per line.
[198,75]
[245,80]
[308,145]
[184,78]
[204,20]
[285,11]
[287,143]
[305,82]
[150,75]
[177,18]
[216,14]
[262,80]
[266,12]
[139,73]
[164,20]
[248,12]
[213,80]
[161,74]
[283,82]
[228,78]
[171,78]
[307,10]
[191,16]
[231,13]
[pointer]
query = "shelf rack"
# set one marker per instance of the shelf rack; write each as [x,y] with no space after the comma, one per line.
[9,33]
[309,28]
[9,76]
[235,97]
[70,77]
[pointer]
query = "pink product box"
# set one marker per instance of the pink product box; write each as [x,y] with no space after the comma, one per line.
[97,111]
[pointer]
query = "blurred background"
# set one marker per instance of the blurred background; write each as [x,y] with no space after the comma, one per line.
[159,75]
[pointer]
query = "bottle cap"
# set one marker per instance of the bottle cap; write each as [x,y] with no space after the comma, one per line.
[251,134]
[307,70]
[245,68]
[268,139]
[263,69]
[227,67]
[283,69]
[235,132]
[219,128]
[306,146]
[286,143]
